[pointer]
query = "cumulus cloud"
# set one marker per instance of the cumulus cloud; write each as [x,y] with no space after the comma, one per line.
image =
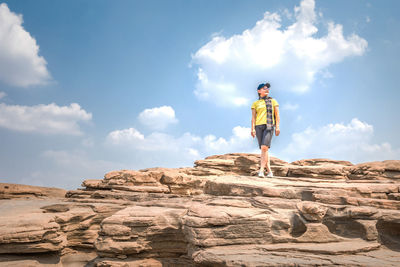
[352,141]
[162,149]
[183,149]
[158,118]
[239,141]
[228,69]
[155,141]
[44,119]
[2,94]
[130,135]
[20,63]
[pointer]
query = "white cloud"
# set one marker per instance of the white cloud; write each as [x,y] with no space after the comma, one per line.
[353,142]
[2,94]
[287,13]
[44,119]
[20,63]
[229,69]
[290,106]
[182,150]
[155,141]
[158,118]
[127,135]
[194,152]
[239,141]
[169,150]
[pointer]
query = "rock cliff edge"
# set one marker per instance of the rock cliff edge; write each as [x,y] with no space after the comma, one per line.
[217,213]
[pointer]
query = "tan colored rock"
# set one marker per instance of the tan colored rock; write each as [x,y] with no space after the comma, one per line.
[234,164]
[11,191]
[204,171]
[30,233]
[182,183]
[151,229]
[149,262]
[312,211]
[319,172]
[294,254]
[96,184]
[321,162]
[207,226]
[129,177]
[378,170]
[243,186]
[317,233]
[131,263]
[56,208]
[353,212]
[369,227]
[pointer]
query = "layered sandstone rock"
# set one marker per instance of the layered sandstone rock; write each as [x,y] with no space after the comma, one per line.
[218,213]
[12,191]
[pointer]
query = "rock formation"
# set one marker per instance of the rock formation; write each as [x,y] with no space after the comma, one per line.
[218,213]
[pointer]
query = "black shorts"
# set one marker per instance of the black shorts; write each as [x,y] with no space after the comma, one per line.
[264,136]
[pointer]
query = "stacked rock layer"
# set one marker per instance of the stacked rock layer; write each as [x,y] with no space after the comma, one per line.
[218,213]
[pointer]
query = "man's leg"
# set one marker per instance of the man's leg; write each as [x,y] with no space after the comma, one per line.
[268,138]
[264,157]
[268,161]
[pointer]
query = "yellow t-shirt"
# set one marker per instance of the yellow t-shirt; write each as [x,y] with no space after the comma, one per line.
[261,111]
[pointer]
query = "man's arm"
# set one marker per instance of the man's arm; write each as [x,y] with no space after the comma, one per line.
[253,122]
[277,121]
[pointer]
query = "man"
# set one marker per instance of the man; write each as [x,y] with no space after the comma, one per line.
[264,121]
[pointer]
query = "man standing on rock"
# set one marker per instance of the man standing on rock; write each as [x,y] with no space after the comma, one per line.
[264,120]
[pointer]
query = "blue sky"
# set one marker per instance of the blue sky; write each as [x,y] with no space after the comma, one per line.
[89,87]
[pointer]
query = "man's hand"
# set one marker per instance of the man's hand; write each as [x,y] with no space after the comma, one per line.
[277,131]
[253,133]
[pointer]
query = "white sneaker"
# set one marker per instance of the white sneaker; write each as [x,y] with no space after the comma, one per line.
[270,174]
[261,174]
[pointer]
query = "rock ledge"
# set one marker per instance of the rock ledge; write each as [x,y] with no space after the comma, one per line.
[218,213]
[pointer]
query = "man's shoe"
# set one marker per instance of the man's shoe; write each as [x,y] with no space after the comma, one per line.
[261,174]
[270,174]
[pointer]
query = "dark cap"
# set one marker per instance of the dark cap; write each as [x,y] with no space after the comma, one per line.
[267,85]
[261,85]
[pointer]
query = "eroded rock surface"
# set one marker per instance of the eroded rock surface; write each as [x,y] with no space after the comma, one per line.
[12,191]
[218,213]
